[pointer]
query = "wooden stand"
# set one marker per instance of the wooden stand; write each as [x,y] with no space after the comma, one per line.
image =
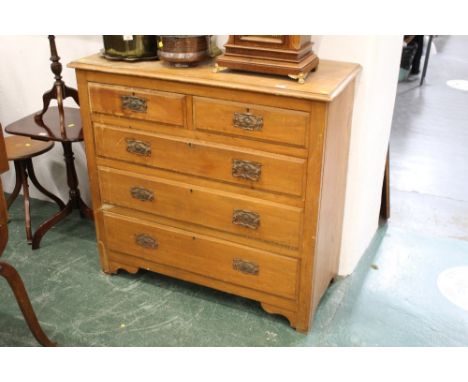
[21,150]
[291,56]
[60,124]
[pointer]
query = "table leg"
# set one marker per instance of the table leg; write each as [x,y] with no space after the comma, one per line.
[17,286]
[18,183]
[40,187]
[74,202]
[72,180]
[49,223]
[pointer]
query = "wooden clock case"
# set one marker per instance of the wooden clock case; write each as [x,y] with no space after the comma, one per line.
[270,54]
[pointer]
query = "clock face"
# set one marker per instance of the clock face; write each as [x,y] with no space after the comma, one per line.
[263,39]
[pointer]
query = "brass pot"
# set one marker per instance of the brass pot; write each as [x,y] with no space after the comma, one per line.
[130,47]
[183,51]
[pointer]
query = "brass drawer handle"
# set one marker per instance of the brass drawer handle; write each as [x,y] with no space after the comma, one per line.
[146,241]
[245,169]
[246,219]
[142,194]
[133,103]
[135,146]
[246,267]
[247,121]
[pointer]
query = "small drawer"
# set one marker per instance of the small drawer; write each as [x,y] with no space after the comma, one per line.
[143,104]
[207,207]
[250,168]
[202,255]
[251,121]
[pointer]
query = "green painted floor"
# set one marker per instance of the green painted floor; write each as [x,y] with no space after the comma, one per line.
[390,300]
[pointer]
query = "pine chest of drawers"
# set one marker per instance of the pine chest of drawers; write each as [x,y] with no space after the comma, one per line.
[231,180]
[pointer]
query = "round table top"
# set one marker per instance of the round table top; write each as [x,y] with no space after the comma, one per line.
[18,147]
[50,129]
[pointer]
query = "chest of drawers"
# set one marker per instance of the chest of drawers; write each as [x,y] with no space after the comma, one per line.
[230,180]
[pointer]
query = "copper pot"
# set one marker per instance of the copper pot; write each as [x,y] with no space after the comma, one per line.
[183,51]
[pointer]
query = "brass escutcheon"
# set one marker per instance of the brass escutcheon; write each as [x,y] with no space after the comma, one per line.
[245,169]
[135,146]
[247,121]
[142,194]
[146,241]
[133,103]
[246,267]
[246,219]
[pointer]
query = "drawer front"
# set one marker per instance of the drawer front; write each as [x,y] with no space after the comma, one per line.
[203,206]
[254,169]
[202,255]
[251,121]
[149,105]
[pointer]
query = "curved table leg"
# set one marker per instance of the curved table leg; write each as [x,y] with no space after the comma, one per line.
[17,286]
[40,187]
[49,223]
[18,183]
[74,202]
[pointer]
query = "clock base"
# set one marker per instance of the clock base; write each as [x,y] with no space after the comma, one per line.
[296,70]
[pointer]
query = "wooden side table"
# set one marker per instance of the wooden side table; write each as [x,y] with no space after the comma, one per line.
[9,272]
[50,131]
[21,150]
[58,124]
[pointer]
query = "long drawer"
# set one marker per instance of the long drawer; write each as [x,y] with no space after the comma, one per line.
[250,168]
[251,121]
[216,209]
[202,255]
[143,104]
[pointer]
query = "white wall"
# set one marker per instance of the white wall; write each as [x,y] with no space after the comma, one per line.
[25,75]
[373,110]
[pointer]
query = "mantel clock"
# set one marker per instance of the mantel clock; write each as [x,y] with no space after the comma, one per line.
[271,54]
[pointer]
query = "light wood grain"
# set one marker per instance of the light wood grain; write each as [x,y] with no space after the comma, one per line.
[330,219]
[120,261]
[278,125]
[323,85]
[309,253]
[197,181]
[237,141]
[278,173]
[187,164]
[92,167]
[202,255]
[267,246]
[201,89]
[161,107]
[181,201]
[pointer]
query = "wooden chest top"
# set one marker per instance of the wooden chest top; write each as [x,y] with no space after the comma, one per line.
[322,85]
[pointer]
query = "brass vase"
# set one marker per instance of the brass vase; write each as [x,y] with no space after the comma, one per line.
[130,47]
